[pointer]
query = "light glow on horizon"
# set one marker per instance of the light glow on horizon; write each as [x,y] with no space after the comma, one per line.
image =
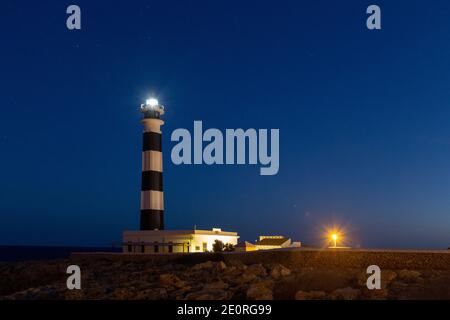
[335,236]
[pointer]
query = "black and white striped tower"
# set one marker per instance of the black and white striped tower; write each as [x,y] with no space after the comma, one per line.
[152,196]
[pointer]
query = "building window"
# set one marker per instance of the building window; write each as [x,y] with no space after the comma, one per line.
[197,248]
[170,247]
[156,248]
[205,246]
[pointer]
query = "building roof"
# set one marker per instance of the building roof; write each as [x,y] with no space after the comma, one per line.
[271,241]
[215,231]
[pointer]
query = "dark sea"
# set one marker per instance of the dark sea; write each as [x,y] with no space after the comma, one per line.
[26,253]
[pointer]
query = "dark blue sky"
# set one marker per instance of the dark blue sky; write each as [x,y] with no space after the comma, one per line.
[364,117]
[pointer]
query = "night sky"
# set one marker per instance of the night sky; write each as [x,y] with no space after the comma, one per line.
[364,118]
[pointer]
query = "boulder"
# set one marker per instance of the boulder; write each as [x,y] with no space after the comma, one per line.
[278,271]
[221,266]
[409,276]
[231,271]
[216,285]
[203,265]
[345,294]
[246,278]
[152,294]
[257,270]
[171,280]
[262,290]
[387,277]
[312,295]
[376,294]
[208,294]
[123,293]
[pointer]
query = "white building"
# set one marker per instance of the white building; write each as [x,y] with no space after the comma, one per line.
[171,241]
[275,242]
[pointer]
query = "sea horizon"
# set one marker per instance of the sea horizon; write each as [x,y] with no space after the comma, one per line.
[16,253]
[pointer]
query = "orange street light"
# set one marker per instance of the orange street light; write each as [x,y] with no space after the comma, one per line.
[334,236]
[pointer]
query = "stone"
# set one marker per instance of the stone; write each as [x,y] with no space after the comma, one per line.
[184,289]
[246,278]
[205,296]
[242,267]
[387,276]
[221,266]
[216,285]
[208,294]
[262,290]
[122,294]
[345,294]
[409,276]
[203,265]
[231,271]
[278,271]
[152,294]
[170,279]
[257,270]
[74,295]
[376,294]
[312,295]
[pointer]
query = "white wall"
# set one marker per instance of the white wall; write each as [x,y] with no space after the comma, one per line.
[195,241]
[199,239]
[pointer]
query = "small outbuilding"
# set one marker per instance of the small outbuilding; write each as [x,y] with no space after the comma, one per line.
[272,242]
[245,246]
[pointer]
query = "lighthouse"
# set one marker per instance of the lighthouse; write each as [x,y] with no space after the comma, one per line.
[153,237]
[152,195]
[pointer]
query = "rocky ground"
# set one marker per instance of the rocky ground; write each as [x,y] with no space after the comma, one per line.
[104,279]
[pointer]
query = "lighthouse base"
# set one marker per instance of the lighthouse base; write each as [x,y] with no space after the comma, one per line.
[175,241]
